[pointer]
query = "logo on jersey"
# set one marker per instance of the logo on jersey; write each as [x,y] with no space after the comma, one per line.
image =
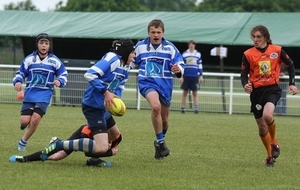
[115,83]
[154,67]
[273,55]
[166,48]
[190,61]
[39,78]
[52,61]
[264,67]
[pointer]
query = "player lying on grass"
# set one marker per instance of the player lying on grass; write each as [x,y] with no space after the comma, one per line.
[83,131]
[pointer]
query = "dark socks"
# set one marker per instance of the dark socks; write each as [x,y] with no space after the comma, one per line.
[33,157]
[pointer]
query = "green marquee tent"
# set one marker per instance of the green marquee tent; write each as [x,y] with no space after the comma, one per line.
[205,28]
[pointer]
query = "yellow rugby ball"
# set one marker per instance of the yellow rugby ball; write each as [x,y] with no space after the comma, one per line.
[117,110]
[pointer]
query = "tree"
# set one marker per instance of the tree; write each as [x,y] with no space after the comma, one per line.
[127,5]
[24,5]
[249,6]
[101,5]
[169,5]
[15,42]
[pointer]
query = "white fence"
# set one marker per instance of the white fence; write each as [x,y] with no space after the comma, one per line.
[220,92]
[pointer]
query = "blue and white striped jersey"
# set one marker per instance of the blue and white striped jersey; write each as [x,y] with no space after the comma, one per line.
[155,66]
[39,76]
[107,74]
[193,63]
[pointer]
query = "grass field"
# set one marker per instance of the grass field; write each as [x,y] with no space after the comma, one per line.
[209,151]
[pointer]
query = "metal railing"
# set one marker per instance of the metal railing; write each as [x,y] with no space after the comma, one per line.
[220,92]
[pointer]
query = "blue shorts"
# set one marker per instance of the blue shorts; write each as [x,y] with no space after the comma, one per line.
[190,83]
[31,106]
[95,117]
[162,99]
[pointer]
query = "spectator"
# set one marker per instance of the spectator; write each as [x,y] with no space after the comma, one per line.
[192,77]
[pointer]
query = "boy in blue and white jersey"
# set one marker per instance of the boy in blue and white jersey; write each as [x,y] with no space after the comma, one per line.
[41,71]
[106,80]
[192,75]
[158,59]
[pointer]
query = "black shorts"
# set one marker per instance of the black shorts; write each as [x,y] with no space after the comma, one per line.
[260,96]
[190,83]
[95,118]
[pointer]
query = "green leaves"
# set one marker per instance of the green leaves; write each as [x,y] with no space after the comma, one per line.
[249,6]
[24,5]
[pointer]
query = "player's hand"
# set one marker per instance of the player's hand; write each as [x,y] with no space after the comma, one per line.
[18,86]
[248,88]
[201,79]
[108,98]
[181,80]
[293,89]
[56,83]
[175,68]
[114,150]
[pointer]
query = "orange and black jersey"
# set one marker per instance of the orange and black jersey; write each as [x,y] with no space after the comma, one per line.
[262,66]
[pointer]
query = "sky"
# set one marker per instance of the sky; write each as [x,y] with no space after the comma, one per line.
[42,5]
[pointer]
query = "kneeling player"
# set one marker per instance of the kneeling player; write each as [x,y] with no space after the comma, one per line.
[114,138]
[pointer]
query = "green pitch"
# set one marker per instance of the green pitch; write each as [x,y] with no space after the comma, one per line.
[208,151]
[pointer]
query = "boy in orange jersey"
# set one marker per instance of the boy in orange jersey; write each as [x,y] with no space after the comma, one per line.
[260,71]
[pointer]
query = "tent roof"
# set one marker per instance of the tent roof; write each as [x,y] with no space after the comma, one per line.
[205,28]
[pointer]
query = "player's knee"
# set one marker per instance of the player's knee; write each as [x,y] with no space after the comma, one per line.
[156,108]
[101,149]
[268,117]
[35,121]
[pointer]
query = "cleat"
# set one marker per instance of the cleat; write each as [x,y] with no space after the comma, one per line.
[275,150]
[15,158]
[161,150]
[157,155]
[48,151]
[182,111]
[98,163]
[269,162]
[21,148]
[54,140]
[196,111]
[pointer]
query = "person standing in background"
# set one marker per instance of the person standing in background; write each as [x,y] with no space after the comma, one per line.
[43,70]
[193,75]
